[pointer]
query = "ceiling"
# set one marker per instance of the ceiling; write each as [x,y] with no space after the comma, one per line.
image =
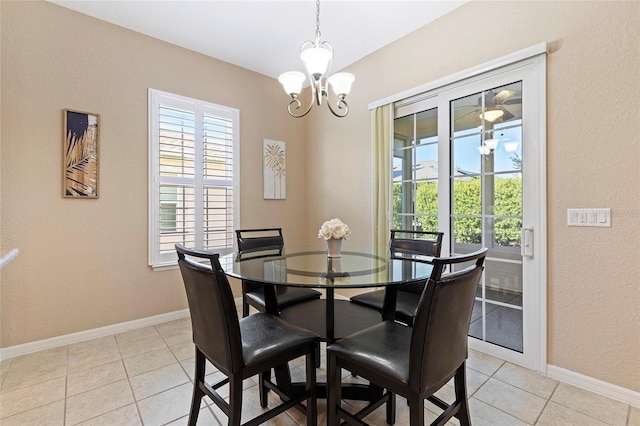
[265,35]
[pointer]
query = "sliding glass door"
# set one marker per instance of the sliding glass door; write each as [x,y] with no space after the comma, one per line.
[469,161]
[486,205]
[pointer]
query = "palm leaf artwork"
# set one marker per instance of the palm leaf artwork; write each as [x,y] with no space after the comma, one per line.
[81,155]
[275,170]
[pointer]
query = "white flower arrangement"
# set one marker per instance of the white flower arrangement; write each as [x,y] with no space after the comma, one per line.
[334,228]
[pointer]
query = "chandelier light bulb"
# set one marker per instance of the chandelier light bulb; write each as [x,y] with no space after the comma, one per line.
[292,82]
[491,143]
[511,146]
[492,115]
[316,60]
[341,83]
[484,150]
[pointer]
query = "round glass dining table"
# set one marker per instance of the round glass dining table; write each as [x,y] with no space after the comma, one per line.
[309,266]
[330,318]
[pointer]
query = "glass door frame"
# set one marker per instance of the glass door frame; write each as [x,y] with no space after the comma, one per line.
[528,66]
[532,73]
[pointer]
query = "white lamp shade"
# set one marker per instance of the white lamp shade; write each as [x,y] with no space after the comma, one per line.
[316,60]
[511,146]
[292,82]
[491,143]
[341,83]
[484,150]
[492,114]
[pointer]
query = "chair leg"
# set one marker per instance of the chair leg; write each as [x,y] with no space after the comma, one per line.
[263,389]
[460,384]
[245,308]
[334,390]
[198,393]
[312,405]
[416,410]
[317,357]
[235,400]
[391,409]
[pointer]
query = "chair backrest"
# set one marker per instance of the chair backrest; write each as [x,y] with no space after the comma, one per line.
[259,239]
[214,317]
[441,325]
[419,242]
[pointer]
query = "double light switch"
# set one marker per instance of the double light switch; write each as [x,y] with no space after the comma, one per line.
[589,217]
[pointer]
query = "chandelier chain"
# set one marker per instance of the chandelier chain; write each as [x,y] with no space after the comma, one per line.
[318,18]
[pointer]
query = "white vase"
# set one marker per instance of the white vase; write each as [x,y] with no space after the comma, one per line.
[334,246]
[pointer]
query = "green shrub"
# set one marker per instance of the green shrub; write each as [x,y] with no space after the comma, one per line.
[467,201]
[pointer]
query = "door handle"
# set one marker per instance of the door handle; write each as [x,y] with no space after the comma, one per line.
[526,249]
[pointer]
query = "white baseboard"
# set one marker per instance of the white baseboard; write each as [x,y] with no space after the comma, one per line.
[594,385]
[68,339]
[578,380]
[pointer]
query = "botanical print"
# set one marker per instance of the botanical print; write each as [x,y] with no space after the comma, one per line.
[80,155]
[275,170]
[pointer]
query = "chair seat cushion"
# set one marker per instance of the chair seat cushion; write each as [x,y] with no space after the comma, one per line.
[383,349]
[286,296]
[406,302]
[264,336]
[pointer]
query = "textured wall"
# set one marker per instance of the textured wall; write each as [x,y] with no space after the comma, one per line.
[593,137]
[83,263]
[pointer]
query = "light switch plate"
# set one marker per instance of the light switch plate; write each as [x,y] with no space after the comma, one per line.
[589,217]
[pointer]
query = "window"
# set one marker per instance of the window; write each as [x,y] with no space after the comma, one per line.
[193,147]
[415,172]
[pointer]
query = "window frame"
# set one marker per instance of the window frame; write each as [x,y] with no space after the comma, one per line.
[157,99]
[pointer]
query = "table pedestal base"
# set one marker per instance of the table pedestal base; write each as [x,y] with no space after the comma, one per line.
[331,320]
[347,318]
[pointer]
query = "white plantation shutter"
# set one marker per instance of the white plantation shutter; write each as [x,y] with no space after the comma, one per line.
[193,157]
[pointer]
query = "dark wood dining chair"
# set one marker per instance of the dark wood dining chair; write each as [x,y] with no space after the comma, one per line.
[414,362]
[252,242]
[405,242]
[240,348]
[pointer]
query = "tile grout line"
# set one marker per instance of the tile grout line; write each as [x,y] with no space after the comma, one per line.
[133,395]
[499,409]
[546,403]
[126,372]
[181,367]
[585,414]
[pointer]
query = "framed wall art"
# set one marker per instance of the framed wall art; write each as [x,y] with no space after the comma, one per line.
[274,170]
[80,154]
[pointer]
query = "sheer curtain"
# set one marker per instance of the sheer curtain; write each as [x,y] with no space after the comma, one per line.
[381,150]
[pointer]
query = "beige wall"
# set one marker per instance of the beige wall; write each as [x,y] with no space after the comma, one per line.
[83,263]
[593,137]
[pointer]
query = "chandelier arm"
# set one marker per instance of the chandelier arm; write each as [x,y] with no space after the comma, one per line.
[342,104]
[298,104]
[306,45]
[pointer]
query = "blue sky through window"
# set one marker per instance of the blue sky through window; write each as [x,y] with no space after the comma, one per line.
[466,156]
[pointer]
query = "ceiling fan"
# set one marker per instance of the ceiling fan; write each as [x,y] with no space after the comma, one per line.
[497,102]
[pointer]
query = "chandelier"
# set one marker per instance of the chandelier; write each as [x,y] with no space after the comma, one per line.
[316,56]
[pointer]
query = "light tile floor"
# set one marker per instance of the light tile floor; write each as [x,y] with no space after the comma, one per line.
[143,377]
